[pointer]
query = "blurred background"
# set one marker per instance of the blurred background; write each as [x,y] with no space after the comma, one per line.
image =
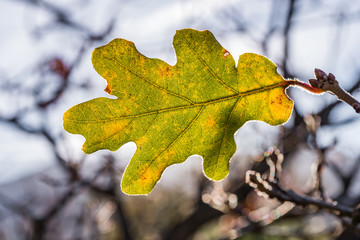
[49,189]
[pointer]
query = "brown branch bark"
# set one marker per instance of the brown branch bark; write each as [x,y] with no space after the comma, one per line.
[328,83]
[273,190]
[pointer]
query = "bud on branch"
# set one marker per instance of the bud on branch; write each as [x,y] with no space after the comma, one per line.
[329,83]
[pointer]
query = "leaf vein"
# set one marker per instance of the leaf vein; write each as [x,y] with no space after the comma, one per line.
[112,135]
[174,141]
[226,126]
[210,70]
[150,82]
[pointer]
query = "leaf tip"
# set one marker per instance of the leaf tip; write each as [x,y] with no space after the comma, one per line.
[65,117]
[85,149]
[67,123]
[133,191]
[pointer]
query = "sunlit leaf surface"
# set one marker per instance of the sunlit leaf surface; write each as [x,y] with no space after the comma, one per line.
[173,112]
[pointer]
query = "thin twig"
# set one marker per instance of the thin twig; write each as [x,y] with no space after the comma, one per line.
[273,190]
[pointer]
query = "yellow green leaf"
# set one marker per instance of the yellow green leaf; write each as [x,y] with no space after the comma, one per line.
[173,112]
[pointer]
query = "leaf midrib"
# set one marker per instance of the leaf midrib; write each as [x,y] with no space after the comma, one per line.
[283,84]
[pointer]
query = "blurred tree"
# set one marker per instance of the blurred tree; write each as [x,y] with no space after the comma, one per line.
[313,162]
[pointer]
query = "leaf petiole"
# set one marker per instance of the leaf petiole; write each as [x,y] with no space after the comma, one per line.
[296,82]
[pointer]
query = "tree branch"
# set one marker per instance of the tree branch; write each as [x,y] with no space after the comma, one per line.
[273,190]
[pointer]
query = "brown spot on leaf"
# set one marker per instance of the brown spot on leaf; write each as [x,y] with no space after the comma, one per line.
[225,53]
[166,71]
[210,122]
[108,89]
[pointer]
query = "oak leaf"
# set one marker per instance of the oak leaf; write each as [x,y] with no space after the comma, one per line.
[173,112]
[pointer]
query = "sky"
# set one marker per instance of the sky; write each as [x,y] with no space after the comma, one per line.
[151,26]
